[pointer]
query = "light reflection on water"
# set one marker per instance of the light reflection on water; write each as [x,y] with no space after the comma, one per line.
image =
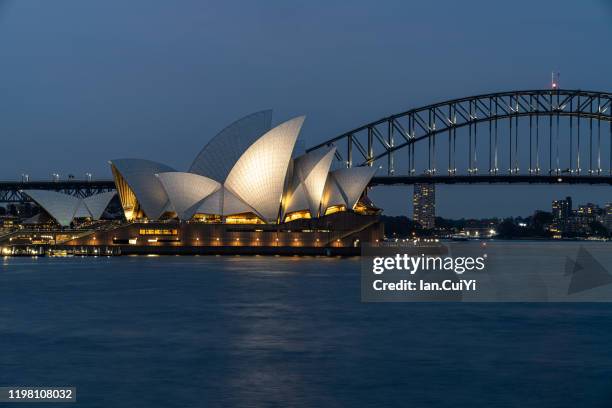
[260,331]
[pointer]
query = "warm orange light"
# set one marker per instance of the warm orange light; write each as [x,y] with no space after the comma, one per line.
[297,215]
[244,218]
[334,209]
[207,218]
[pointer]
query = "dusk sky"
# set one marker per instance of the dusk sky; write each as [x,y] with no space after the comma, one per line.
[83,82]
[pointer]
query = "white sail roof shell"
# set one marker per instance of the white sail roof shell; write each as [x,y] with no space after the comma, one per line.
[218,157]
[258,177]
[234,205]
[186,191]
[352,181]
[97,203]
[61,207]
[140,174]
[213,204]
[297,200]
[332,195]
[82,211]
[310,172]
[223,202]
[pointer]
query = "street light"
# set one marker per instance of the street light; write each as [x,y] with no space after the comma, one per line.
[88,175]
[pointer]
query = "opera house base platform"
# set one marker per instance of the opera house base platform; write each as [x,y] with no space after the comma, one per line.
[336,234]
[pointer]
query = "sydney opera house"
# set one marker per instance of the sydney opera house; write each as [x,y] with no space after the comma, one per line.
[248,187]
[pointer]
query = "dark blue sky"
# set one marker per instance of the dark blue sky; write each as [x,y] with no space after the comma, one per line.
[83,82]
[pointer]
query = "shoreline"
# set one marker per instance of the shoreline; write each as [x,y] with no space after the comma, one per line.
[130,250]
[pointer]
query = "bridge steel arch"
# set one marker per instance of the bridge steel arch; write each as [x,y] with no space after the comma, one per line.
[11,191]
[553,132]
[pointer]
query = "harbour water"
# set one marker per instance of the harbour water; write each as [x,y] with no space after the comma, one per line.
[252,331]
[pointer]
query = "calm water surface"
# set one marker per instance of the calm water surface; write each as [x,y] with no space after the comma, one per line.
[273,331]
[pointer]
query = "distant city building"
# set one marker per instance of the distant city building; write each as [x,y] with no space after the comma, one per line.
[562,220]
[562,210]
[424,204]
[588,210]
[579,222]
[585,215]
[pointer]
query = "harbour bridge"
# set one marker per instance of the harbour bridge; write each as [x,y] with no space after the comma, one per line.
[10,191]
[536,136]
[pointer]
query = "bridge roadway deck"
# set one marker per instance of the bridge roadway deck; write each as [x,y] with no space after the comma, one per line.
[492,179]
[376,181]
[55,185]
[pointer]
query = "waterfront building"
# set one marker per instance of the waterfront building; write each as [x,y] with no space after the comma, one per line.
[247,187]
[424,204]
[242,176]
